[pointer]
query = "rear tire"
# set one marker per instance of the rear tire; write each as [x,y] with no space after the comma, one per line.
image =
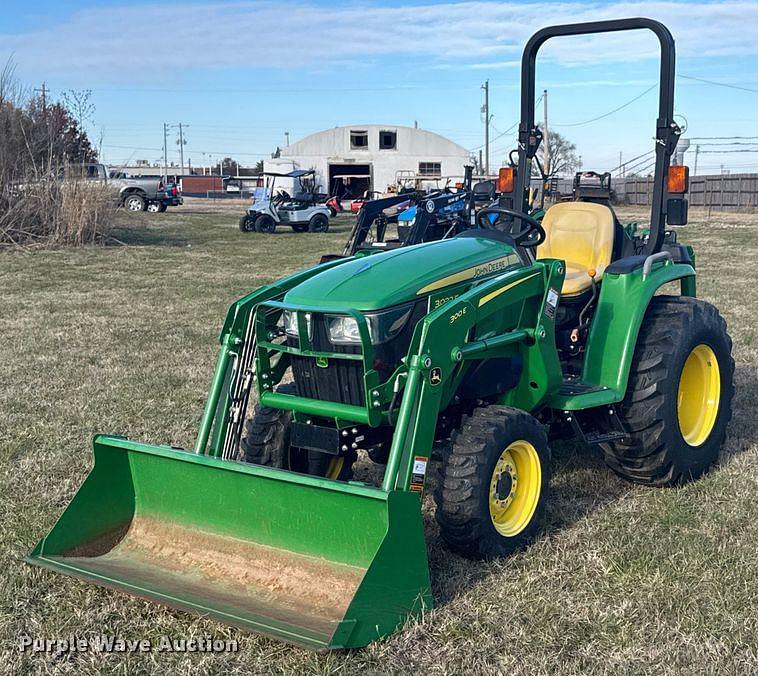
[318,223]
[135,202]
[265,224]
[493,483]
[679,398]
[266,441]
[153,207]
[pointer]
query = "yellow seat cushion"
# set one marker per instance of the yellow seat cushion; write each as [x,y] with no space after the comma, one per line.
[581,234]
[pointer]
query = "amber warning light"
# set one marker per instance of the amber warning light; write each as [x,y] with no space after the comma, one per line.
[679,179]
[506,179]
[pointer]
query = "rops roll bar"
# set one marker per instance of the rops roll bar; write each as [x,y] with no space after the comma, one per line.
[667,131]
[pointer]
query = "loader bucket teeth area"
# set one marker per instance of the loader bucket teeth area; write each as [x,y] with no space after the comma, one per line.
[308,560]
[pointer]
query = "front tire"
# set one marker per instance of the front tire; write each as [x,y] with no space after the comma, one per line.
[247,223]
[265,224]
[318,223]
[493,484]
[679,398]
[267,442]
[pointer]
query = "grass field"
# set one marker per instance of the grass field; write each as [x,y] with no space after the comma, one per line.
[122,339]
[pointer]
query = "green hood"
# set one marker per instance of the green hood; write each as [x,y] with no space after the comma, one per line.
[394,277]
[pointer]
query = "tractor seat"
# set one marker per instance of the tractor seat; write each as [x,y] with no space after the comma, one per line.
[581,234]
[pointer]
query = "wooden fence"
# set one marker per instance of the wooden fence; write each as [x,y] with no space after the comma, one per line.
[723,192]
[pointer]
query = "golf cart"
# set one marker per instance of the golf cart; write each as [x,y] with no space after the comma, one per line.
[299,212]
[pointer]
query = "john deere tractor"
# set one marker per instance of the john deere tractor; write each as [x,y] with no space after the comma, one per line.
[486,345]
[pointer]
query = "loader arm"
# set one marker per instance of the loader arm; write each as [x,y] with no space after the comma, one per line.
[447,338]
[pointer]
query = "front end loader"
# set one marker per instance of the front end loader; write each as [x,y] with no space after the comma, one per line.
[481,347]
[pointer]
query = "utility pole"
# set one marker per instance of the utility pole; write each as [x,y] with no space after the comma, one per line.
[545,137]
[697,151]
[165,152]
[287,138]
[486,111]
[181,147]
[43,95]
[621,163]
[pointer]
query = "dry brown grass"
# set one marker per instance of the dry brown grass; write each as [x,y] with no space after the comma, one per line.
[624,579]
[51,212]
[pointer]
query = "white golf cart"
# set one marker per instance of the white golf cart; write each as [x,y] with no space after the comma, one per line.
[300,212]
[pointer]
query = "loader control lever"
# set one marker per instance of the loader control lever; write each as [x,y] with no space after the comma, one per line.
[531,234]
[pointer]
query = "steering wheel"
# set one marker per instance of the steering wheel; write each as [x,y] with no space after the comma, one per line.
[533,234]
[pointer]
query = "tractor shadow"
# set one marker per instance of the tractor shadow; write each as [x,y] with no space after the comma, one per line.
[581,485]
[742,432]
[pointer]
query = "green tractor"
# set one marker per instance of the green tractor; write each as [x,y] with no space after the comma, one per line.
[486,345]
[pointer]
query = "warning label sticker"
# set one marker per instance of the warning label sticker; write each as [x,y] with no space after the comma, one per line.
[418,473]
[551,302]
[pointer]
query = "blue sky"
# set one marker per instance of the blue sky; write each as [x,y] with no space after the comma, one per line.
[240,74]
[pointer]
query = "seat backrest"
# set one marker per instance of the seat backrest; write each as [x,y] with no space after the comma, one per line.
[484,190]
[581,233]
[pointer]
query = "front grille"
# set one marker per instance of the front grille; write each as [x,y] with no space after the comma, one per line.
[341,381]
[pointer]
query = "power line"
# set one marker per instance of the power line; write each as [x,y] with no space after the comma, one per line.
[276,90]
[495,138]
[610,112]
[644,169]
[721,138]
[729,152]
[719,84]
[626,164]
[726,143]
[211,152]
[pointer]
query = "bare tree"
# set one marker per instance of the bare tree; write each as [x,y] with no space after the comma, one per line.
[79,104]
[563,156]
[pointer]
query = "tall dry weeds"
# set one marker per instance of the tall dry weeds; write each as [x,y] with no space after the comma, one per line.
[50,211]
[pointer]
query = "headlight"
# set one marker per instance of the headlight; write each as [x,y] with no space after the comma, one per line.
[382,326]
[289,319]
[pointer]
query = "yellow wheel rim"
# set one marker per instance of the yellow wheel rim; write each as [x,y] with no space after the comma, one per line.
[697,403]
[335,467]
[515,488]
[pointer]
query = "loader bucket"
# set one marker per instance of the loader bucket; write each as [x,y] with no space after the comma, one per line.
[308,560]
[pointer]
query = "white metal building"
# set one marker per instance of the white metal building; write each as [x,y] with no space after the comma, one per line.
[350,160]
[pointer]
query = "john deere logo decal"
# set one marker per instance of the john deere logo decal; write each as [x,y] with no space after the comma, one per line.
[435,376]
[322,362]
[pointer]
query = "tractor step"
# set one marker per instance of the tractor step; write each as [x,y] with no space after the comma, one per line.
[594,434]
[571,388]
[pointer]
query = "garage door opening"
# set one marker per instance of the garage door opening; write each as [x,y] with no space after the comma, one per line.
[349,181]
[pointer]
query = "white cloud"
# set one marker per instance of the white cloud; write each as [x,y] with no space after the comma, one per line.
[118,44]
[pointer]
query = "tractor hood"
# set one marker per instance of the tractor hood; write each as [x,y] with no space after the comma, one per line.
[393,277]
